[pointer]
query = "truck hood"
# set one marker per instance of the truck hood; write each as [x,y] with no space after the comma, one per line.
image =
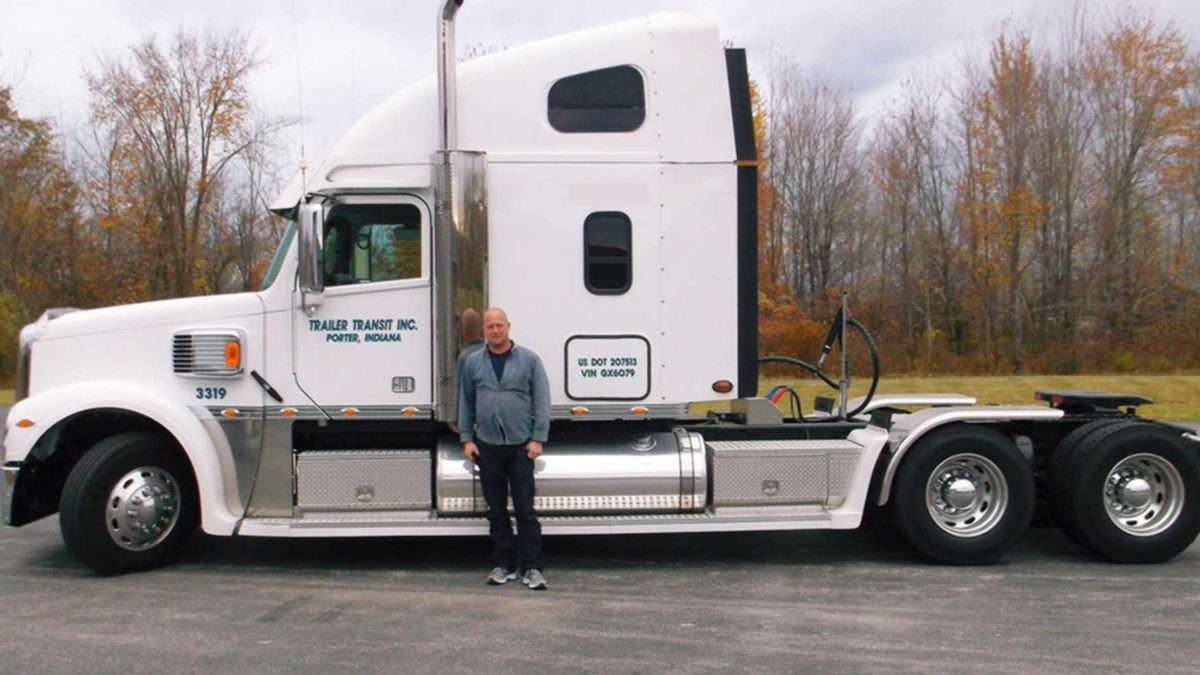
[180,312]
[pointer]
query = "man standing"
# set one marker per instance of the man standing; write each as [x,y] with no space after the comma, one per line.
[504,418]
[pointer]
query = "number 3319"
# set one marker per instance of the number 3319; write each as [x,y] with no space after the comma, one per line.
[210,393]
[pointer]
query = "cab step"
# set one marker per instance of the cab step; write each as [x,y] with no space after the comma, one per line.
[429,524]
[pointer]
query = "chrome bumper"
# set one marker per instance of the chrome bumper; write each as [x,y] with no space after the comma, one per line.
[7,489]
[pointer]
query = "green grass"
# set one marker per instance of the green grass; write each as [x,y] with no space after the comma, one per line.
[1175,396]
[6,396]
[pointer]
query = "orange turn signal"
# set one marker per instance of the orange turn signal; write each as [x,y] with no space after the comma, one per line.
[579,412]
[25,423]
[233,354]
[639,410]
[409,411]
[230,412]
[349,412]
[288,412]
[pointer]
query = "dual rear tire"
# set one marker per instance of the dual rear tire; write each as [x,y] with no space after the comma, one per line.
[1127,489]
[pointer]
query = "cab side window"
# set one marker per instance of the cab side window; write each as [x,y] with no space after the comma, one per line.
[372,242]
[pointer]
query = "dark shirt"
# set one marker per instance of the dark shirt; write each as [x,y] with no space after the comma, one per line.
[498,361]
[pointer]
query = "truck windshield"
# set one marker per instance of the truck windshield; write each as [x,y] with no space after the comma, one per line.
[280,255]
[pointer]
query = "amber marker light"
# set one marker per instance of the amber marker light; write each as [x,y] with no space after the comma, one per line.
[233,355]
[25,423]
[409,412]
[288,412]
[722,386]
[579,412]
[640,410]
[349,412]
[230,412]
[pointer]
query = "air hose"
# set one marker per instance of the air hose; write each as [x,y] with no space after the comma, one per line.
[815,370]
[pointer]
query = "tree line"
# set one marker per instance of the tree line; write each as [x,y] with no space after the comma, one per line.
[162,194]
[1035,209]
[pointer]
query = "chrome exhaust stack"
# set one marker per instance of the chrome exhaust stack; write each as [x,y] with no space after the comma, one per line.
[460,227]
[447,77]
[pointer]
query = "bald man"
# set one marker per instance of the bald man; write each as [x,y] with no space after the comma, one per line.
[504,418]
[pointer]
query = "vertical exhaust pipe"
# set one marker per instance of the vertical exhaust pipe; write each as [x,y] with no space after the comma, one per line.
[447,77]
[460,254]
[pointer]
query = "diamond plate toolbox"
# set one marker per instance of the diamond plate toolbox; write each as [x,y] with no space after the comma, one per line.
[767,473]
[364,480]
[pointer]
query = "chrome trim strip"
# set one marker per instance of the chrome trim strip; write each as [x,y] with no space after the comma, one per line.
[619,411]
[629,503]
[7,491]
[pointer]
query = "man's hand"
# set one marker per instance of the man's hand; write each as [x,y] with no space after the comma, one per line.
[470,450]
[533,449]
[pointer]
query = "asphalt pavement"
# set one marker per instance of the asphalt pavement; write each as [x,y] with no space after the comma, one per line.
[771,602]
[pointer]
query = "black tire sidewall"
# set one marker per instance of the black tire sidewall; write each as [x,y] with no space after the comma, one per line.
[1059,475]
[1091,469]
[913,517]
[86,492]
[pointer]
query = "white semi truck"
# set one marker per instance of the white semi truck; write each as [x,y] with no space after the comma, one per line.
[601,187]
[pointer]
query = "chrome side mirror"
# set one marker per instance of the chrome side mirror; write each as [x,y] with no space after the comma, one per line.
[311,226]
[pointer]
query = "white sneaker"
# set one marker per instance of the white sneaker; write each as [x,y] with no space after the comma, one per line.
[501,576]
[535,580]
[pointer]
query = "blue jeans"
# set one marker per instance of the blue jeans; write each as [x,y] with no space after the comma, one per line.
[503,468]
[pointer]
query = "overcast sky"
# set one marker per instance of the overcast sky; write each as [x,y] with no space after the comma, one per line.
[354,53]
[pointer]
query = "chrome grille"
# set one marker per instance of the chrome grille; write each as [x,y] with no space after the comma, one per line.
[202,354]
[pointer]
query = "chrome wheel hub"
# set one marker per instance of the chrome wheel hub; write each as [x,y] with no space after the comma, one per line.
[143,508]
[966,495]
[1143,495]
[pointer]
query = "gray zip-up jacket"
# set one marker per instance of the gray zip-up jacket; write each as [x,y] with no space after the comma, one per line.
[509,412]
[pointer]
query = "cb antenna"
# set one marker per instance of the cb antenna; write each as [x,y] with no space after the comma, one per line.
[300,104]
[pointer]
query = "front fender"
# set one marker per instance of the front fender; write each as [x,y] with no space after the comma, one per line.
[211,462]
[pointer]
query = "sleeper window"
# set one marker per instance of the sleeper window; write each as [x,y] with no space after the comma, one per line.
[607,253]
[599,101]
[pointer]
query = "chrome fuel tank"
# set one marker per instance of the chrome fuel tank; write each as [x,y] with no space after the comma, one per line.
[612,472]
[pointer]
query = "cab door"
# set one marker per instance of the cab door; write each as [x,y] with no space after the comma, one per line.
[365,350]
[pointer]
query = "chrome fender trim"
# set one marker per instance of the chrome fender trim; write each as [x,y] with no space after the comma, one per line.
[911,428]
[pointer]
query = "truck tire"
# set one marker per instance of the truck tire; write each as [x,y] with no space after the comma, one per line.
[1133,493]
[128,503]
[1058,476]
[964,495]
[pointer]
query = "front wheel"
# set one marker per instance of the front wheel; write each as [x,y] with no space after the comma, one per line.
[128,503]
[964,495]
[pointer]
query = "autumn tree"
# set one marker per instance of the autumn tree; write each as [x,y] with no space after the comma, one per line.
[38,249]
[1137,73]
[815,170]
[171,124]
[1060,179]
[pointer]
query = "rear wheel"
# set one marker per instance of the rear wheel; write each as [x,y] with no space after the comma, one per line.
[1133,493]
[964,495]
[1059,475]
[128,503]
